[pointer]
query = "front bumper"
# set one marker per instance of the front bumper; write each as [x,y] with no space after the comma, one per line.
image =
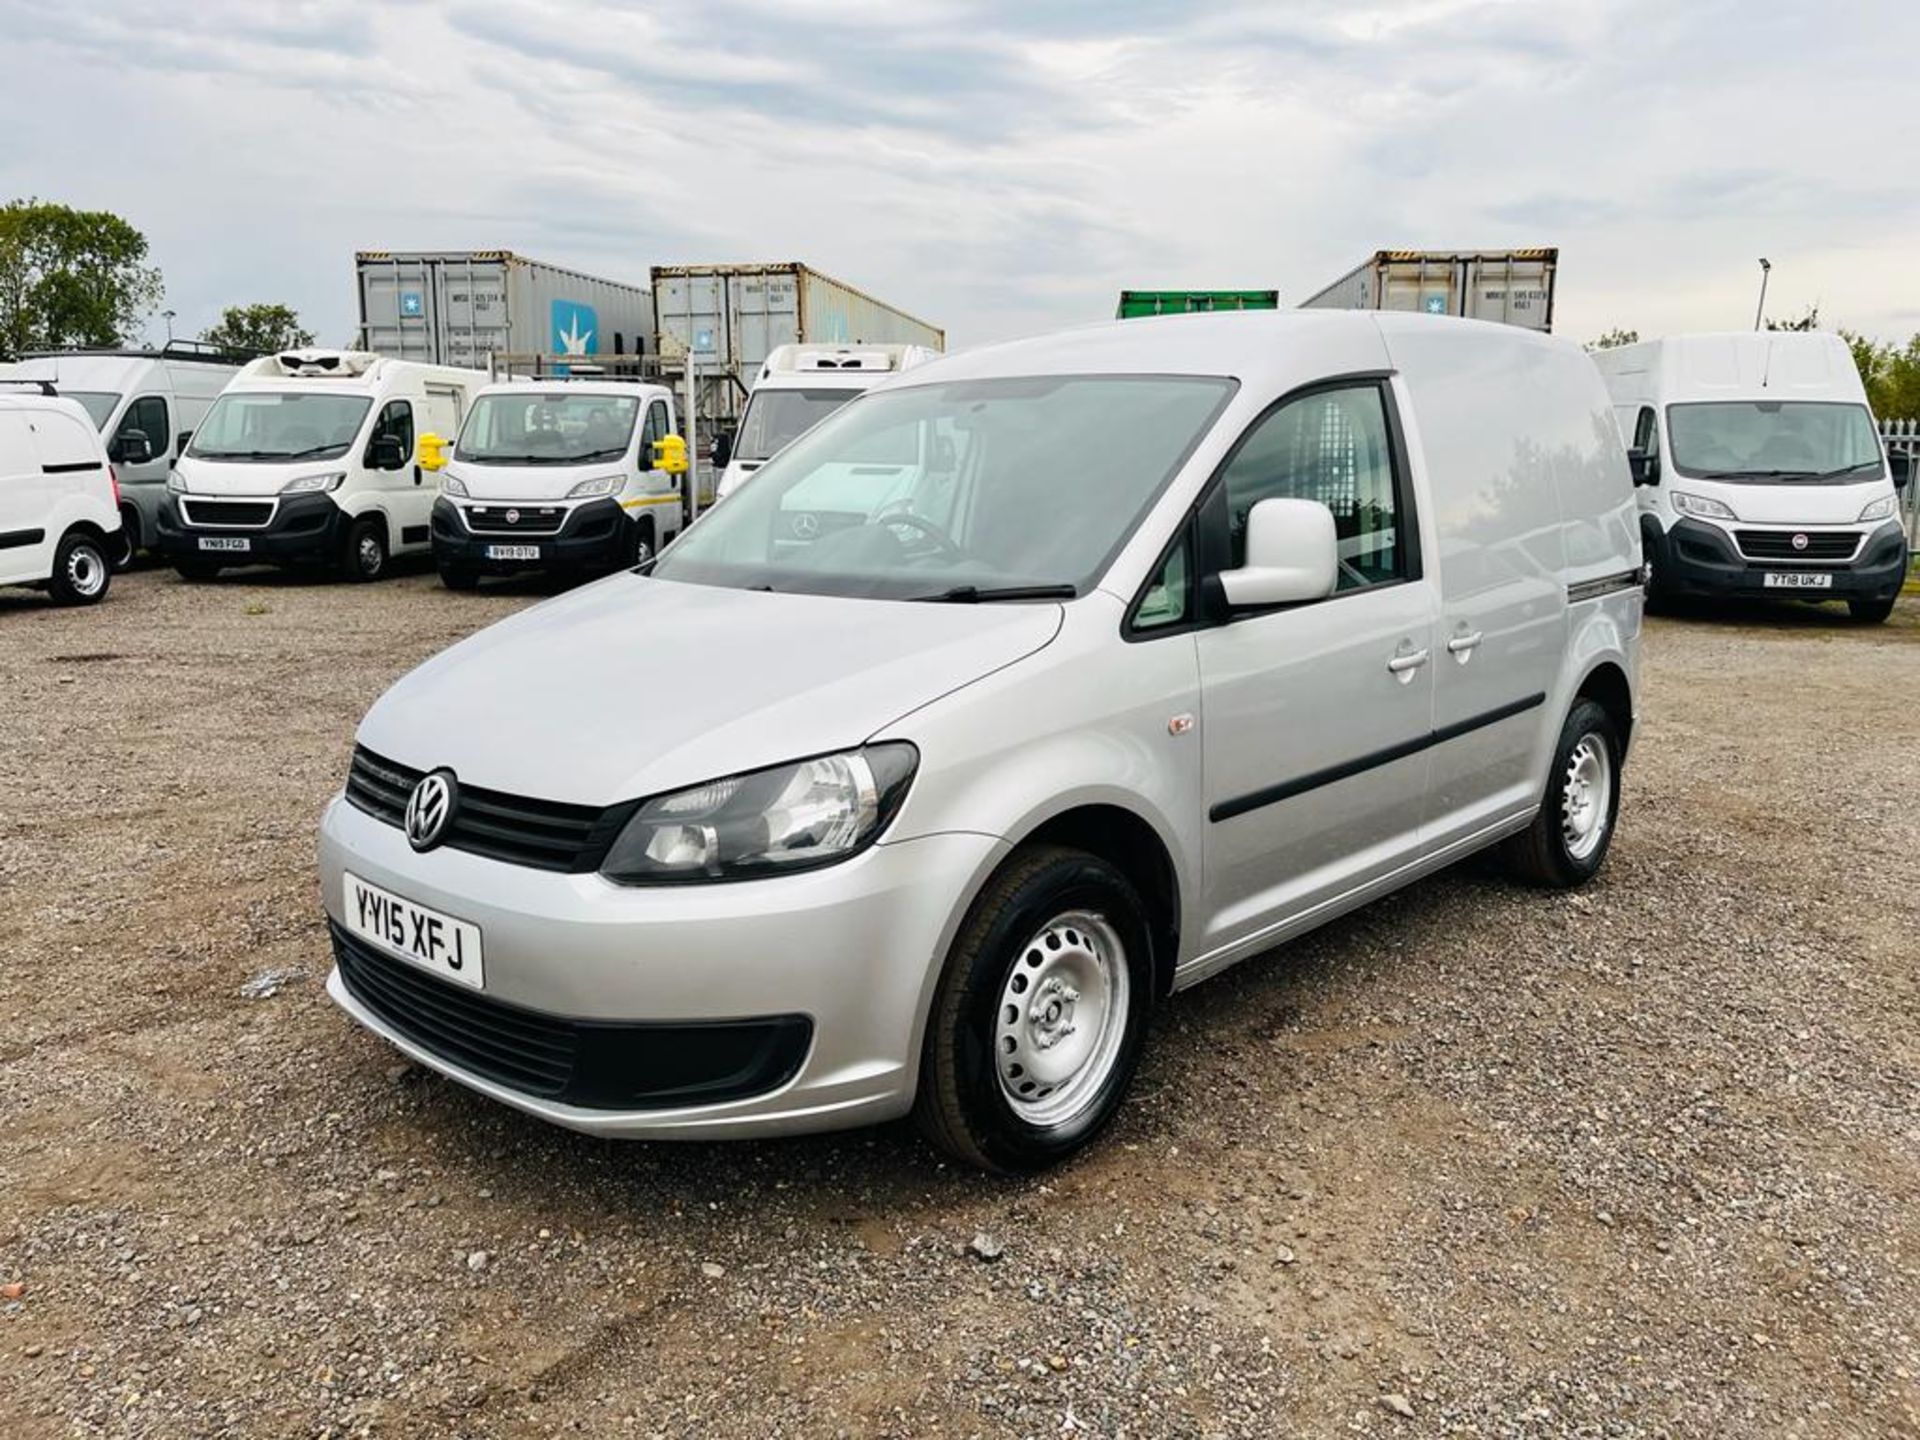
[1700,559]
[596,534]
[303,530]
[851,950]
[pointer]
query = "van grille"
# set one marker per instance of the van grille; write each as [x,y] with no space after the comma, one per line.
[1826,545]
[515,519]
[543,834]
[226,512]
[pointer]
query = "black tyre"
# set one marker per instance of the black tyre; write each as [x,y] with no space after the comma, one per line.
[1568,839]
[365,557]
[459,577]
[129,538]
[1040,1016]
[641,550]
[195,570]
[81,569]
[1872,612]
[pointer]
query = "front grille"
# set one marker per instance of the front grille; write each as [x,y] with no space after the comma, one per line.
[597,1065]
[1828,545]
[543,834]
[200,511]
[515,519]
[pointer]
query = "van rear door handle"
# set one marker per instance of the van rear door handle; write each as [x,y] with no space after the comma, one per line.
[1400,664]
[1461,644]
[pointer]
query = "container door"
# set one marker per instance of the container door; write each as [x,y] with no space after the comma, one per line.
[1509,291]
[473,313]
[397,310]
[1424,286]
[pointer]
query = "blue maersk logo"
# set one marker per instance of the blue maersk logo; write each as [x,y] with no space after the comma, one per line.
[576,329]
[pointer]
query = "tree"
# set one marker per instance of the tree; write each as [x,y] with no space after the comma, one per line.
[1891,374]
[1808,321]
[71,278]
[258,328]
[1615,338]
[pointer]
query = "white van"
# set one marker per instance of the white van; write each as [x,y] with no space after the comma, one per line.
[1759,468]
[797,387]
[558,475]
[309,459]
[159,394]
[1210,628]
[59,504]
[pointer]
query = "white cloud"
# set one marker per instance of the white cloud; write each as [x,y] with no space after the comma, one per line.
[997,169]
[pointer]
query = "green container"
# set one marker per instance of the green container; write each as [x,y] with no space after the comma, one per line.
[1183,302]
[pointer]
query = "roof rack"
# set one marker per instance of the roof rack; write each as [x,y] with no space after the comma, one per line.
[173,350]
[45,387]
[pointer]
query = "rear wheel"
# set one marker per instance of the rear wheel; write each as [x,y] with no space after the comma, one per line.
[1872,612]
[366,552]
[1568,839]
[1041,1013]
[81,570]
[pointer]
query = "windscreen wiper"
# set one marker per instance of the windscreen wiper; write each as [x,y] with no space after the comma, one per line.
[979,595]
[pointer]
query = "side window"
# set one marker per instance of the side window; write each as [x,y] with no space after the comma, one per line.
[1168,599]
[397,420]
[1330,446]
[1646,433]
[148,415]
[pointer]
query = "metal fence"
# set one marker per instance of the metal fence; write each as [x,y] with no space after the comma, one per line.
[1902,439]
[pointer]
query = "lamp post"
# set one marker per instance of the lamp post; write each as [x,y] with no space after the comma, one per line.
[1766,268]
[167,315]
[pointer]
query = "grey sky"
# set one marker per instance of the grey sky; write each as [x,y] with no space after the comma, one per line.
[998,169]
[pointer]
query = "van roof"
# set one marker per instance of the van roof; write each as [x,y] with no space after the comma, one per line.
[1781,364]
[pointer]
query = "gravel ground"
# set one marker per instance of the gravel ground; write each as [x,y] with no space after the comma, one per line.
[1640,1161]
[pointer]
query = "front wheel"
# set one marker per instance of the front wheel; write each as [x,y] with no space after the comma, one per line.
[459,577]
[1872,612]
[640,551]
[1568,839]
[129,543]
[81,570]
[366,554]
[1041,1014]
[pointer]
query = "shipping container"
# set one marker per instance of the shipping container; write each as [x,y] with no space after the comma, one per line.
[1134,303]
[1514,287]
[728,318]
[463,307]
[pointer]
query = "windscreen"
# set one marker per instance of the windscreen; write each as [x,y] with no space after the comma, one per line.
[547,428]
[266,426]
[97,403]
[775,417]
[1012,483]
[1774,440]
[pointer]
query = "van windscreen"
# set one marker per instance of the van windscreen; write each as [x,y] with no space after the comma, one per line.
[547,428]
[1758,441]
[776,416]
[268,425]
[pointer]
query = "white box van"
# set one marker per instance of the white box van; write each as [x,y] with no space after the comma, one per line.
[797,387]
[309,458]
[160,394]
[558,475]
[59,504]
[1204,630]
[1759,468]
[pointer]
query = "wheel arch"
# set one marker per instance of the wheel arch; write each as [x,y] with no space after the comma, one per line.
[1606,684]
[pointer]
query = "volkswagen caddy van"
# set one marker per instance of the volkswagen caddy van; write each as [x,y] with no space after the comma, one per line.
[1202,631]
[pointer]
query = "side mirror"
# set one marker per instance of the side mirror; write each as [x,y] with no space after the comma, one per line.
[132,447]
[180,443]
[722,449]
[1645,465]
[1293,554]
[385,452]
[670,455]
[433,452]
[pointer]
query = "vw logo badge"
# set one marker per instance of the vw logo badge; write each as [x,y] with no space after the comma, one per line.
[806,525]
[430,809]
[513,517]
[1799,542]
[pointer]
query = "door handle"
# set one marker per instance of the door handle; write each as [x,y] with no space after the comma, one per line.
[1401,664]
[1461,644]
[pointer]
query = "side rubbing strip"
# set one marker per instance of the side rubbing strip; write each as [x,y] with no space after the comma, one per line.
[14,539]
[1605,585]
[74,468]
[1346,769]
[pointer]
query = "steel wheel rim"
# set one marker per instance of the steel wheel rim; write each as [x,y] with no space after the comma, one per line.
[1586,796]
[1061,1018]
[369,555]
[86,570]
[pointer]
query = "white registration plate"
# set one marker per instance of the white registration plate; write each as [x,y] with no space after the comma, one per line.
[237,544]
[513,552]
[437,942]
[1796,580]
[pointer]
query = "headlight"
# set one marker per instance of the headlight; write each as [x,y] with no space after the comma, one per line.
[453,485]
[1879,509]
[587,489]
[314,484]
[176,483]
[1701,506]
[766,822]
